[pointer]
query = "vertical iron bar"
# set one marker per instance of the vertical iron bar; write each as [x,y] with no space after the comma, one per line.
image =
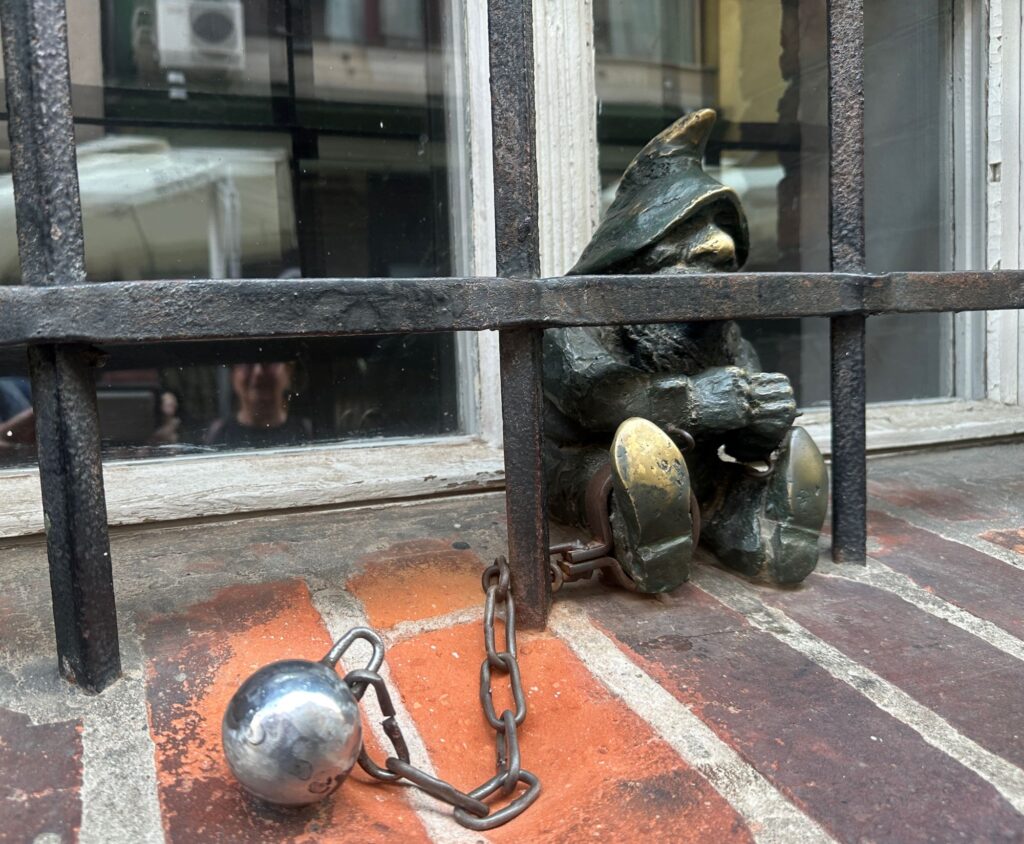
[52,251]
[846,204]
[510,24]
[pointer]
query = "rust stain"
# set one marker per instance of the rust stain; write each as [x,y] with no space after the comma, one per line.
[195,660]
[410,581]
[1012,539]
[605,774]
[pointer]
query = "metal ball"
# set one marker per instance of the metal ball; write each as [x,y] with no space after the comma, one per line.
[292,732]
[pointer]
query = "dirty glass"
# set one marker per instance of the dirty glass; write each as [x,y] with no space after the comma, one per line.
[264,139]
[763,65]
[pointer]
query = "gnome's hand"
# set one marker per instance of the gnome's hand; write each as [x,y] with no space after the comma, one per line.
[772,412]
[758,408]
[721,399]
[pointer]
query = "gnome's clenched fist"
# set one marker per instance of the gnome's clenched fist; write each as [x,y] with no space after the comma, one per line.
[759,404]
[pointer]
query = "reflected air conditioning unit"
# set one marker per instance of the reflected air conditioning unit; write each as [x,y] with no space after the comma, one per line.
[200,34]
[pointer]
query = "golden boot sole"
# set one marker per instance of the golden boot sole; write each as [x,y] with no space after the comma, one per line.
[797,500]
[651,520]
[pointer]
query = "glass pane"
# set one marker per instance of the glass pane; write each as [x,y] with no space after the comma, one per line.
[762,64]
[263,157]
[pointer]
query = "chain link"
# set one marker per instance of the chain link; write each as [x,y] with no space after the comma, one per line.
[573,561]
[471,810]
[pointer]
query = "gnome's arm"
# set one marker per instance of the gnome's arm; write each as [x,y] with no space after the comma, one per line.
[590,385]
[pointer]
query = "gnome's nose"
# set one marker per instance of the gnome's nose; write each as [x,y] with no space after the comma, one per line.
[714,247]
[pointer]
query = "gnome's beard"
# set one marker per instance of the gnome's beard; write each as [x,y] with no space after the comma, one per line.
[671,347]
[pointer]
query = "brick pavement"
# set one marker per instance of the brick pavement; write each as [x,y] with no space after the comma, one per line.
[878,704]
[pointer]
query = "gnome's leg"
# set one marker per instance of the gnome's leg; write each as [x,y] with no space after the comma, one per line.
[649,506]
[568,470]
[767,527]
[651,517]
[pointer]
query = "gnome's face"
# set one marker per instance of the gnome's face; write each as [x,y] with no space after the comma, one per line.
[701,243]
[668,215]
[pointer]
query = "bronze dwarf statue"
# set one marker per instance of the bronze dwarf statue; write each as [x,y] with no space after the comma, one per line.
[628,397]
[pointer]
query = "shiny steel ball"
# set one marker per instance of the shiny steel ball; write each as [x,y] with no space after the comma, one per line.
[292,733]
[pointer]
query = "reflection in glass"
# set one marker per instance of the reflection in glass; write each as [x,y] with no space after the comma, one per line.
[154,210]
[262,416]
[263,139]
[763,65]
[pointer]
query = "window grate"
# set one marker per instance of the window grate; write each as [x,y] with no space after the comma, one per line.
[60,317]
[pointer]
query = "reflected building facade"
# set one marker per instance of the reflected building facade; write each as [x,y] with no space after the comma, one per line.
[263,139]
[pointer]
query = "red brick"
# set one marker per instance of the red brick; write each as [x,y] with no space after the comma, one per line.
[1012,539]
[980,584]
[605,774]
[971,684]
[195,660]
[40,778]
[859,772]
[415,580]
[942,500]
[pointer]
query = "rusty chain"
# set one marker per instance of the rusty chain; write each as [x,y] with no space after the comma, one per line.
[471,810]
[569,562]
[572,561]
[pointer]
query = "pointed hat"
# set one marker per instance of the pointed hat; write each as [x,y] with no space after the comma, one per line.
[664,185]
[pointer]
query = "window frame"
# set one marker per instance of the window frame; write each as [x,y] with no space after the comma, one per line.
[356,472]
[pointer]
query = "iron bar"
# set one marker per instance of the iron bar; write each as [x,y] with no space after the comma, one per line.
[137,312]
[81,582]
[510,24]
[52,251]
[846,205]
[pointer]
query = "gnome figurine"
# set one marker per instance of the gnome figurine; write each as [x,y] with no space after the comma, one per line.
[630,399]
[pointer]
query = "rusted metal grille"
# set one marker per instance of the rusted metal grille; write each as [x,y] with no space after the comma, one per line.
[60,317]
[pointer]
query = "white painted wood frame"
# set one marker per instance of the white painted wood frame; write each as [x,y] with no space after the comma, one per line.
[1005,196]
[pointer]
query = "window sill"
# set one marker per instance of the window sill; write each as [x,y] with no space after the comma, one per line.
[895,426]
[146,491]
[140,491]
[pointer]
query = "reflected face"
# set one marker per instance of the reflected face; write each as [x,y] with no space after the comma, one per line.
[261,384]
[700,244]
[169,404]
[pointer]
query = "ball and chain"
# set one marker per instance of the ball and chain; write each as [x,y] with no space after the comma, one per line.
[292,732]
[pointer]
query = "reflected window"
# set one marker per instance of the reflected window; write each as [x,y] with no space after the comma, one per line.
[264,139]
[762,64]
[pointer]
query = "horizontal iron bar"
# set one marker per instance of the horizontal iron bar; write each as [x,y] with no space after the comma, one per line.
[156,311]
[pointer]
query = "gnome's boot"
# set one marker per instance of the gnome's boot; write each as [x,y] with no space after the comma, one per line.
[650,507]
[768,528]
